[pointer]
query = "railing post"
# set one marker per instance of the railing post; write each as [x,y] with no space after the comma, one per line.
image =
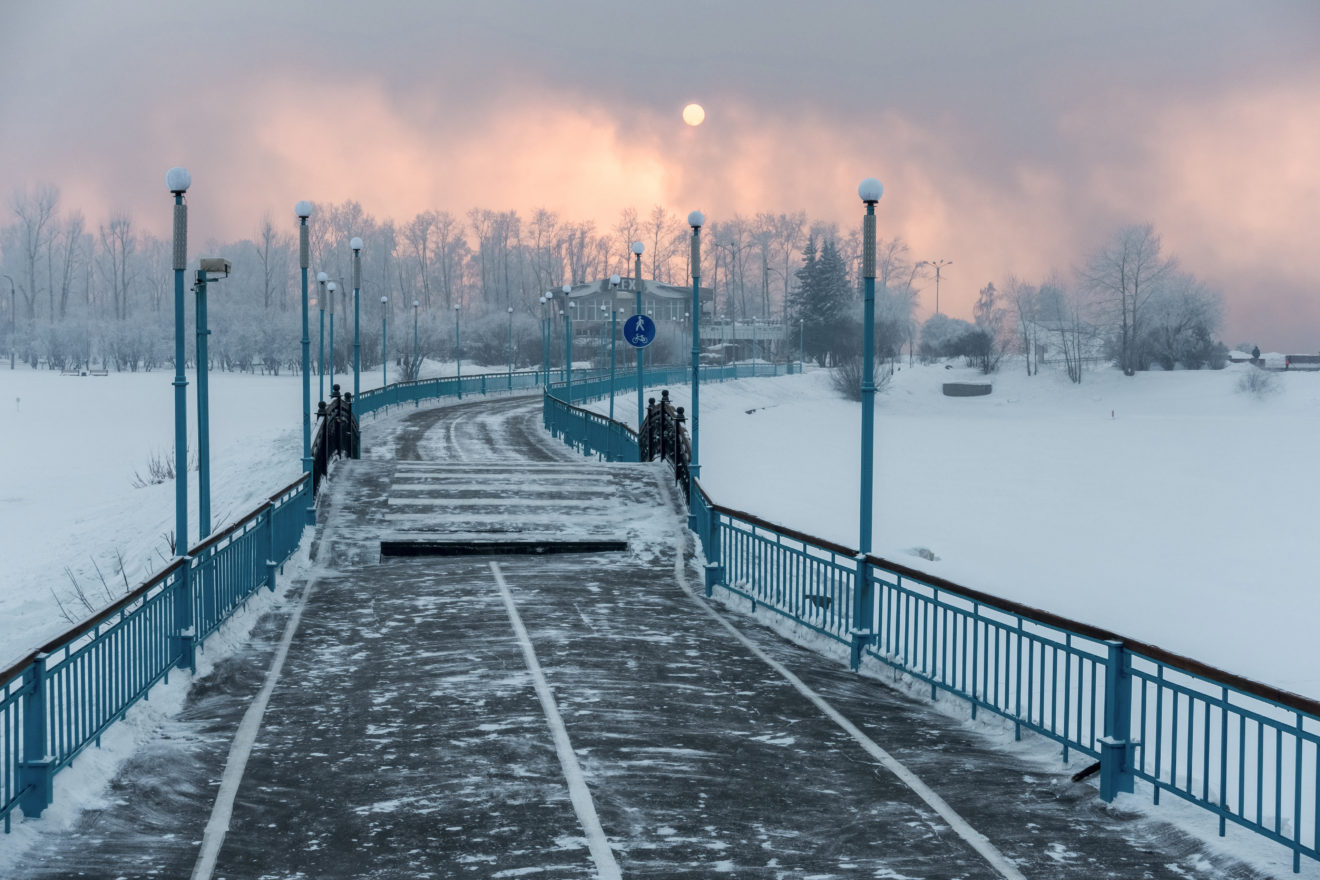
[861,612]
[210,614]
[664,407]
[271,564]
[711,540]
[184,616]
[1116,772]
[36,771]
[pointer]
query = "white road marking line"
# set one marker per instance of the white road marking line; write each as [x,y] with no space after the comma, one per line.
[241,749]
[961,826]
[606,867]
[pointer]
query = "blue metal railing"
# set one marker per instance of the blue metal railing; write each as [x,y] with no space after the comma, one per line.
[1247,752]
[62,697]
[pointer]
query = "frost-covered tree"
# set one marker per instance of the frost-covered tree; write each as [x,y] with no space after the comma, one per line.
[822,301]
[1125,275]
[1181,325]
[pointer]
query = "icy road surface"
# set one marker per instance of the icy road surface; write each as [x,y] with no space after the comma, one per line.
[566,715]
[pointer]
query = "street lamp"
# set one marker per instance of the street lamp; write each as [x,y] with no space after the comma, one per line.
[637,249]
[319,302]
[696,220]
[458,351]
[938,264]
[13,321]
[870,191]
[802,351]
[510,348]
[384,349]
[332,287]
[178,180]
[304,210]
[568,341]
[207,272]
[417,365]
[356,245]
[605,309]
[545,369]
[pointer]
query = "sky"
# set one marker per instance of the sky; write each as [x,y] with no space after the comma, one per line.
[1012,138]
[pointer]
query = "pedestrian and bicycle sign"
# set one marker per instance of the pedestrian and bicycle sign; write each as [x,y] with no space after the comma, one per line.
[639,331]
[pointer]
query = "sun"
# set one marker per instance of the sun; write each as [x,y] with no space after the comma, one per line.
[694,114]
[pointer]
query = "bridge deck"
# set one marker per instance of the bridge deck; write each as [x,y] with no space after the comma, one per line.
[565,715]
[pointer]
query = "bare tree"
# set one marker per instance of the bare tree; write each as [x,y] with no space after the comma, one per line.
[1124,275]
[35,213]
[666,234]
[1023,297]
[1064,313]
[118,245]
[273,255]
[627,230]
[417,235]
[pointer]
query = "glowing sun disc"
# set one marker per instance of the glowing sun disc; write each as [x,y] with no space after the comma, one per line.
[693,114]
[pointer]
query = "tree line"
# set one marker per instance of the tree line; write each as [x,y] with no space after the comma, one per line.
[1130,303]
[81,296]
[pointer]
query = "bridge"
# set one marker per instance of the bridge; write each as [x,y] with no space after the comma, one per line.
[502,661]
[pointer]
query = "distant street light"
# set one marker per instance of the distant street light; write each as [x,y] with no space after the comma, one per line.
[568,351]
[417,365]
[614,332]
[356,245]
[304,210]
[332,287]
[938,265]
[696,220]
[870,191]
[178,180]
[545,368]
[510,348]
[208,271]
[319,302]
[384,347]
[637,249]
[458,354]
[565,290]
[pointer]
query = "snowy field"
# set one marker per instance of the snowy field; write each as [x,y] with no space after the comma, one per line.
[73,447]
[1167,507]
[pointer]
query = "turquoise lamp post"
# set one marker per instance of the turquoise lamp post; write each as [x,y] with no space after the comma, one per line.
[207,269]
[568,341]
[458,351]
[332,287]
[304,210]
[178,180]
[637,249]
[319,302]
[870,191]
[384,348]
[356,244]
[696,220]
[549,334]
[417,366]
[510,348]
[545,369]
[614,333]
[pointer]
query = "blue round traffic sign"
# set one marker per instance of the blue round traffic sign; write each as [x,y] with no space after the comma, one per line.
[639,331]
